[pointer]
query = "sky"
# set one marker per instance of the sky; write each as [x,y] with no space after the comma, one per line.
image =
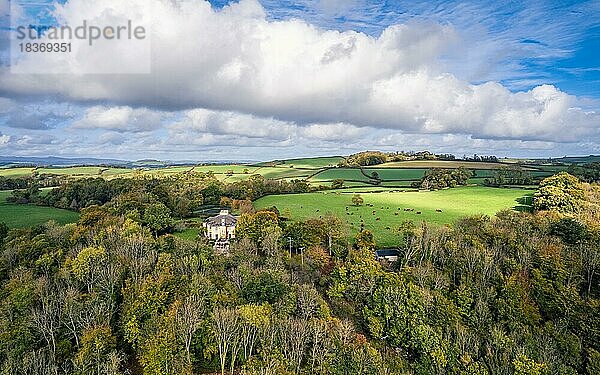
[262,80]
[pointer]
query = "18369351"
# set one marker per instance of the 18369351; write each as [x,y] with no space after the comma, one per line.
[40,47]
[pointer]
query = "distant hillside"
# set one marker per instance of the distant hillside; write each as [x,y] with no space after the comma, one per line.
[53,161]
[578,159]
[58,161]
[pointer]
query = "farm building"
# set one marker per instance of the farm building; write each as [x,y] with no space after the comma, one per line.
[221,229]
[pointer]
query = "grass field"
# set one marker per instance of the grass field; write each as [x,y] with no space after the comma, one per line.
[15,172]
[307,163]
[20,216]
[389,207]
[75,171]
[189,234]
[283,172]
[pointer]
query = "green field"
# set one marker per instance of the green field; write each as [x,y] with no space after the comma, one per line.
[190,234]
[307,163]
[389,207]
[352,174]
[15,172]
[74,171]
[283,172]
[20,216]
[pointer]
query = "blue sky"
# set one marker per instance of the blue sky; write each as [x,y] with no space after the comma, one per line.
[555,42]
[266,79]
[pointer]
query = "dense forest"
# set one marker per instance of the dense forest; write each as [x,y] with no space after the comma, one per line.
[115,293]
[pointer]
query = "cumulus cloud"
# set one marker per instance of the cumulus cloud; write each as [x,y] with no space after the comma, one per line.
[121,119]
[231,123]
[33,116]
[225,123]
[236,77]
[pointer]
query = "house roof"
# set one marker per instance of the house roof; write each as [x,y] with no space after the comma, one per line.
[223,217]
[387,253]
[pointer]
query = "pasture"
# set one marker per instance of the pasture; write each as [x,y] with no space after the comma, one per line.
[21,216]
[15,172]
[71,171]
[307,163]
[384,211]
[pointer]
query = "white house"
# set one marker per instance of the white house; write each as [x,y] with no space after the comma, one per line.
[221,229]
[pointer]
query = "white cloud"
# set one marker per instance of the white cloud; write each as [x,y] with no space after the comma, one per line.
[262,79]
[206,125]
[120,119]
[4,139]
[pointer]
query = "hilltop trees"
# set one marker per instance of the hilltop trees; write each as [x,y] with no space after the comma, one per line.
[369,158]
[366,158]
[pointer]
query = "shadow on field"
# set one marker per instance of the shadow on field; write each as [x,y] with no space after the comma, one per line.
[525,204]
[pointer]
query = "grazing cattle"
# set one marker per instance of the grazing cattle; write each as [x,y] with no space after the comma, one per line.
[419,212]
[439,211]
[396,214]
[378,219]
[318,210]
[388,228]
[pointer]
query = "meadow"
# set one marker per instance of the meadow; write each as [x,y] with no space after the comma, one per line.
[15,172]
[307,163]
[21,216]
[383,211]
